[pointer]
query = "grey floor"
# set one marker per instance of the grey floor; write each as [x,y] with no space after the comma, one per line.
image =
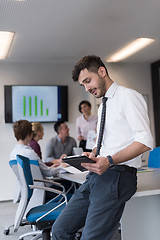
[7,213]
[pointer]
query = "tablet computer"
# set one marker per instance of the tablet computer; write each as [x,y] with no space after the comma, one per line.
[76,161]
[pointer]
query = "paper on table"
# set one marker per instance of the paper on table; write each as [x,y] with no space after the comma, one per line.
[70,169]
[91,139]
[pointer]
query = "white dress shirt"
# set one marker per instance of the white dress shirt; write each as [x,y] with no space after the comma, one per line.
[83,126]
[126,121]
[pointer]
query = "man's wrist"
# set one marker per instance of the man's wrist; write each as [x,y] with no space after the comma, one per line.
[110,160]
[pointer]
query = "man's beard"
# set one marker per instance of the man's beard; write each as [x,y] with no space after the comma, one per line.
[101,87]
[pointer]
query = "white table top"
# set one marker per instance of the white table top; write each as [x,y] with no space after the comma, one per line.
[78,178]
[148,182]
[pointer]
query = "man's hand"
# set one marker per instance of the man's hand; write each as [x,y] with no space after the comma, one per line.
[56,163]
[62,156]
[101,165]
[88,154]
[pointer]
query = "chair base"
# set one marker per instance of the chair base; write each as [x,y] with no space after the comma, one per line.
[33,233]
[7,230]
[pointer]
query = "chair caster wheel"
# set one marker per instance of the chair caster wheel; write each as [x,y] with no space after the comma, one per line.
[6,232]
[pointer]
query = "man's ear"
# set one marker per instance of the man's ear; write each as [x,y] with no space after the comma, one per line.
[102,72]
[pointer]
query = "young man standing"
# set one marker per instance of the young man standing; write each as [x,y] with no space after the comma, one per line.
[99,203]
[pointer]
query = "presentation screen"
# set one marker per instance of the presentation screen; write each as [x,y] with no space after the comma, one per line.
[36,103]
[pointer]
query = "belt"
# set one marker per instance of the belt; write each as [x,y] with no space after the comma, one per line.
[124,168]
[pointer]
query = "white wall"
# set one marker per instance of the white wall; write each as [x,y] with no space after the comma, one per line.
[136,76]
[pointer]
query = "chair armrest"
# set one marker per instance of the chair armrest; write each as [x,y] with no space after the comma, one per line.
[46,189]
[50,181]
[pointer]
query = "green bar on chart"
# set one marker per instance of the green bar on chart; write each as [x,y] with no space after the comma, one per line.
[35,102]
[30,106]
[24,106]
[47,112]
[41,102]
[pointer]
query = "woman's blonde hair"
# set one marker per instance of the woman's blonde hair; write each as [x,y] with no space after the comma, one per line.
[36,127]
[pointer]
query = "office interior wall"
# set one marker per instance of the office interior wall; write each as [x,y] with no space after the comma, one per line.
[136,76]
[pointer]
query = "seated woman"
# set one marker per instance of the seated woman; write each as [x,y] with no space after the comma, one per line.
[23,133]
[38,132]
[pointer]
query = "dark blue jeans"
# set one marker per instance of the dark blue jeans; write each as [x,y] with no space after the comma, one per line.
[97,205]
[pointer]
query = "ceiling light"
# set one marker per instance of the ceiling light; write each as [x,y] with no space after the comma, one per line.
[5,43]
[130,49]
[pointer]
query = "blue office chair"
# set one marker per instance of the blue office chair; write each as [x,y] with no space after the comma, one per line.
[42,216]
[38,196]
[154,158]
[17,193]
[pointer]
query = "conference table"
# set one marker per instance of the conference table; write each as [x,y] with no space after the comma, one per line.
[141,216]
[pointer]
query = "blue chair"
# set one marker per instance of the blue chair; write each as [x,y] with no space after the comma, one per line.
[17,194]
[154,158]
[38,196]
[42,216]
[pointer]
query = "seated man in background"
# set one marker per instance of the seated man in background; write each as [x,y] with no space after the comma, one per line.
[60,145]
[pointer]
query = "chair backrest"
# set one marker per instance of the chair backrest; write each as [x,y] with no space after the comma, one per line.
[17,190]
[25,179]
[154,158]
[25,175]
[38,196]
[13,165]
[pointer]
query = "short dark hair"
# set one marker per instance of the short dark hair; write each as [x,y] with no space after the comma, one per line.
[92,63]
[83,102]
[22,129]
[57,126]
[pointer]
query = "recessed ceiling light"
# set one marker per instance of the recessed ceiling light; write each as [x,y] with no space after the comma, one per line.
[5,43]
[130,49]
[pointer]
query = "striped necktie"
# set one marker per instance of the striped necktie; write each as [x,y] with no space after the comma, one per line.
[103,116]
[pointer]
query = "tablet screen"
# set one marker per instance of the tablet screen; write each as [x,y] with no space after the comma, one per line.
[76,161]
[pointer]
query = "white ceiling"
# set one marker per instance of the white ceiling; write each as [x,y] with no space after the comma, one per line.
[66,30]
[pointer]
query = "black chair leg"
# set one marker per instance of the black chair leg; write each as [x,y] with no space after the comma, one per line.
[46,234]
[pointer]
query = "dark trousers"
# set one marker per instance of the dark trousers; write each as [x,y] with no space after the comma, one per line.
[97,205]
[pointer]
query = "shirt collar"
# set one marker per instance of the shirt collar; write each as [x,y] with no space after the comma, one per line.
[110,92]
[58,138]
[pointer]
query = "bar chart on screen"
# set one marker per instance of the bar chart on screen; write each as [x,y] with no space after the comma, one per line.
[33,108]
[35,103]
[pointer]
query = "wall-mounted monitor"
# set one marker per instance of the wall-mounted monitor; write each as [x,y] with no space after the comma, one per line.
[36,103]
